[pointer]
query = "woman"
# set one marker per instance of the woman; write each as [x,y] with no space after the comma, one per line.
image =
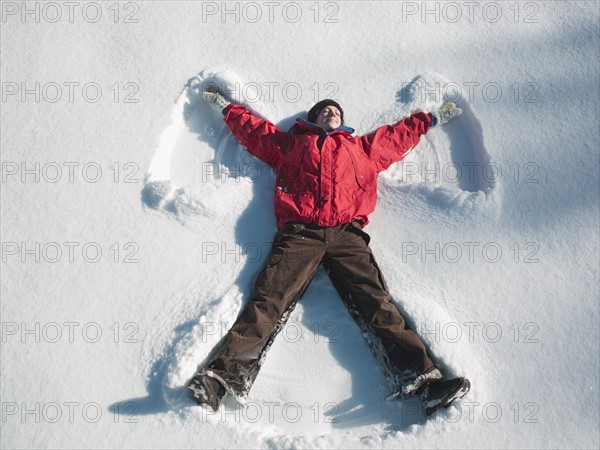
[326,186]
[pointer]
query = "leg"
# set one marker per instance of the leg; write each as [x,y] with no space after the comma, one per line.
[358,279]
[295,256]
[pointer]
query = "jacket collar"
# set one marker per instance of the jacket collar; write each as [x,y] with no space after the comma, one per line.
[304,125]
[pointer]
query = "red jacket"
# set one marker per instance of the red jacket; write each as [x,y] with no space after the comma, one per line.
[325,178]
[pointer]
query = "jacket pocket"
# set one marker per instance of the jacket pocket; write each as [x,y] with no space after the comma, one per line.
[365,177]
[289,174]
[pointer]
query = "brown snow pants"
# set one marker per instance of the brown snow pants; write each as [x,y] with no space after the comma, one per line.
[297,251]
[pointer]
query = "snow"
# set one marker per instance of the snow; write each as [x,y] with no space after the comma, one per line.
[133,224]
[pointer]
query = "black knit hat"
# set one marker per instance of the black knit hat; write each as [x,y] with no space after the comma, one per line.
[316,109]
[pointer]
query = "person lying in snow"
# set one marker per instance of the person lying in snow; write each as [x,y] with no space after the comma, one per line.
[326,186]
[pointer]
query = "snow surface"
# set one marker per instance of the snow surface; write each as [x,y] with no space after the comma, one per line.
[487,233]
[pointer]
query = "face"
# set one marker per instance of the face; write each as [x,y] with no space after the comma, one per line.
[329,118]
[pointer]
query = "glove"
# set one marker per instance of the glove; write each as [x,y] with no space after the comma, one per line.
[445,114]
[213,97]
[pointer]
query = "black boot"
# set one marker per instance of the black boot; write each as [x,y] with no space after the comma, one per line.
[441,393]
[206,390]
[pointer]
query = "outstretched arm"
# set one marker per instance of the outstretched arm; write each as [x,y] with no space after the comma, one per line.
[391,143]
[259,136]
